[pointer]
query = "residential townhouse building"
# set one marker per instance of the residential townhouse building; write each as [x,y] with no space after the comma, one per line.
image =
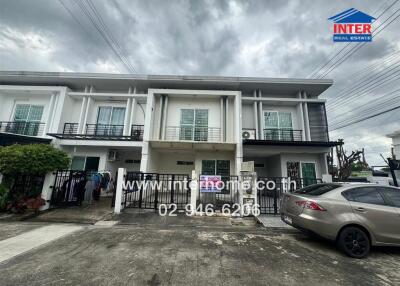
[173,124]
[395,136]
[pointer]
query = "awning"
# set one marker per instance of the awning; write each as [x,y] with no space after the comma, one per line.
[7,139]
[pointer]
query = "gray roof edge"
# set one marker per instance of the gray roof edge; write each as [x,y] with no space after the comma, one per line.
[226,79]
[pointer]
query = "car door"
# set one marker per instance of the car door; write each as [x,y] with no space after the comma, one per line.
[373,211]
[392,195]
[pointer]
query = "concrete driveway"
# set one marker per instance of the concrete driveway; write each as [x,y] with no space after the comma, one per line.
[207,254]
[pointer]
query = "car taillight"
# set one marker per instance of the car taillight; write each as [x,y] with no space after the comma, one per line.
[310,205]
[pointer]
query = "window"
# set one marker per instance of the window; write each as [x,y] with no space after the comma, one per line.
[110,121]
[317,190]
[194,124]
[278,125]
[27,119]
[393,195]
[217,167]
[366,195]
[85,163]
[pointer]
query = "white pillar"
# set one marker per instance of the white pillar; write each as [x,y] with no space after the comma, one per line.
[302,125]
[49,115]
[221,119]
[165,116]
[306,119]
[119,191]
[194,190]
[256,115]
[260,117]
[226,137]
[238,128]
[127,117]
[82,115]
[47,190]
[85,118]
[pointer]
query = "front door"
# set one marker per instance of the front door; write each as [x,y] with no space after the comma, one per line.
[308,173]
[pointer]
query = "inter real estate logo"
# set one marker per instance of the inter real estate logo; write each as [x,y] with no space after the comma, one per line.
[352,26]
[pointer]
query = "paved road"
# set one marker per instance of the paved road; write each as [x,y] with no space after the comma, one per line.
[151,254]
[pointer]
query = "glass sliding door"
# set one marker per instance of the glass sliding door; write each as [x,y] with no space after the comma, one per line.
[285,125]
[186,128]
[110,121]
[201,125]
[103,119]
[271,124]
[278,126]
[27,119]
[117,121]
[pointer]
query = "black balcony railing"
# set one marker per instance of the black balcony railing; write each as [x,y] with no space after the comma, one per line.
[193,133]
[22,127]
[282,134]
[100,132]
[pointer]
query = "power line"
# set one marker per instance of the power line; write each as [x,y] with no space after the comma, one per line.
[76,19]
[384,104]
[345,47]
[358,77]
[363,90]
[356,48]
[368,103]
[367,117]
[106,36]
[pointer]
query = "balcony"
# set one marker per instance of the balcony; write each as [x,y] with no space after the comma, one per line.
[22,128]
[291,135]
[190,133]
[101,132]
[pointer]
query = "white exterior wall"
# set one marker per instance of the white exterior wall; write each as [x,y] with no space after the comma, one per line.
[396,146]
[317,159]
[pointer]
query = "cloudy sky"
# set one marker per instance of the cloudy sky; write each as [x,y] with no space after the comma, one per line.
[262,38]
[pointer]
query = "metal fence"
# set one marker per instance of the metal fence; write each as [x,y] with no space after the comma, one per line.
[270,195]
[22,128]
[192,133]
[69,187]
[149,190]
[101,132]
[282,134]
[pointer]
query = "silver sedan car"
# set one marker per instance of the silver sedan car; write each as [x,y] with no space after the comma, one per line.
[356,216]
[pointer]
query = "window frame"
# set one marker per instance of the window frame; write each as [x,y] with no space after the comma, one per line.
[279,128]
[197,134]
[348,191]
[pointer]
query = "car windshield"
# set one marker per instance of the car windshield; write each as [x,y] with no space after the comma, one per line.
[317,190]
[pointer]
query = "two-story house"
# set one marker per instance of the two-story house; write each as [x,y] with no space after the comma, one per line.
[173,124]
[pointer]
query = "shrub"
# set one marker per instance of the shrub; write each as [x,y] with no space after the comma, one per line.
[21,163]
[4,197]
[32,159]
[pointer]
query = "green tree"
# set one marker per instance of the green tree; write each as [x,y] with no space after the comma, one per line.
[19,162]
[32,159]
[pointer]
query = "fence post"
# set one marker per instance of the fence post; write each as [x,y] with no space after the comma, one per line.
[119,191]
[194,188]
[47,190]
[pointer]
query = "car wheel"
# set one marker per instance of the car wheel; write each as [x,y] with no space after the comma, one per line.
[354,242]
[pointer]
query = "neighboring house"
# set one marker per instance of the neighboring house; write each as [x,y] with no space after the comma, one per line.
[173,124]
[396,143]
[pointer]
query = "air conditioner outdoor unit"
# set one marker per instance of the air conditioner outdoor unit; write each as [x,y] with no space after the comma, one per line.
[248,134]
[112,155]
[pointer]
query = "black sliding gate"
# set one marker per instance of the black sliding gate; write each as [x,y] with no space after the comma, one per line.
[270,198]
[149,190]
[67,186]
